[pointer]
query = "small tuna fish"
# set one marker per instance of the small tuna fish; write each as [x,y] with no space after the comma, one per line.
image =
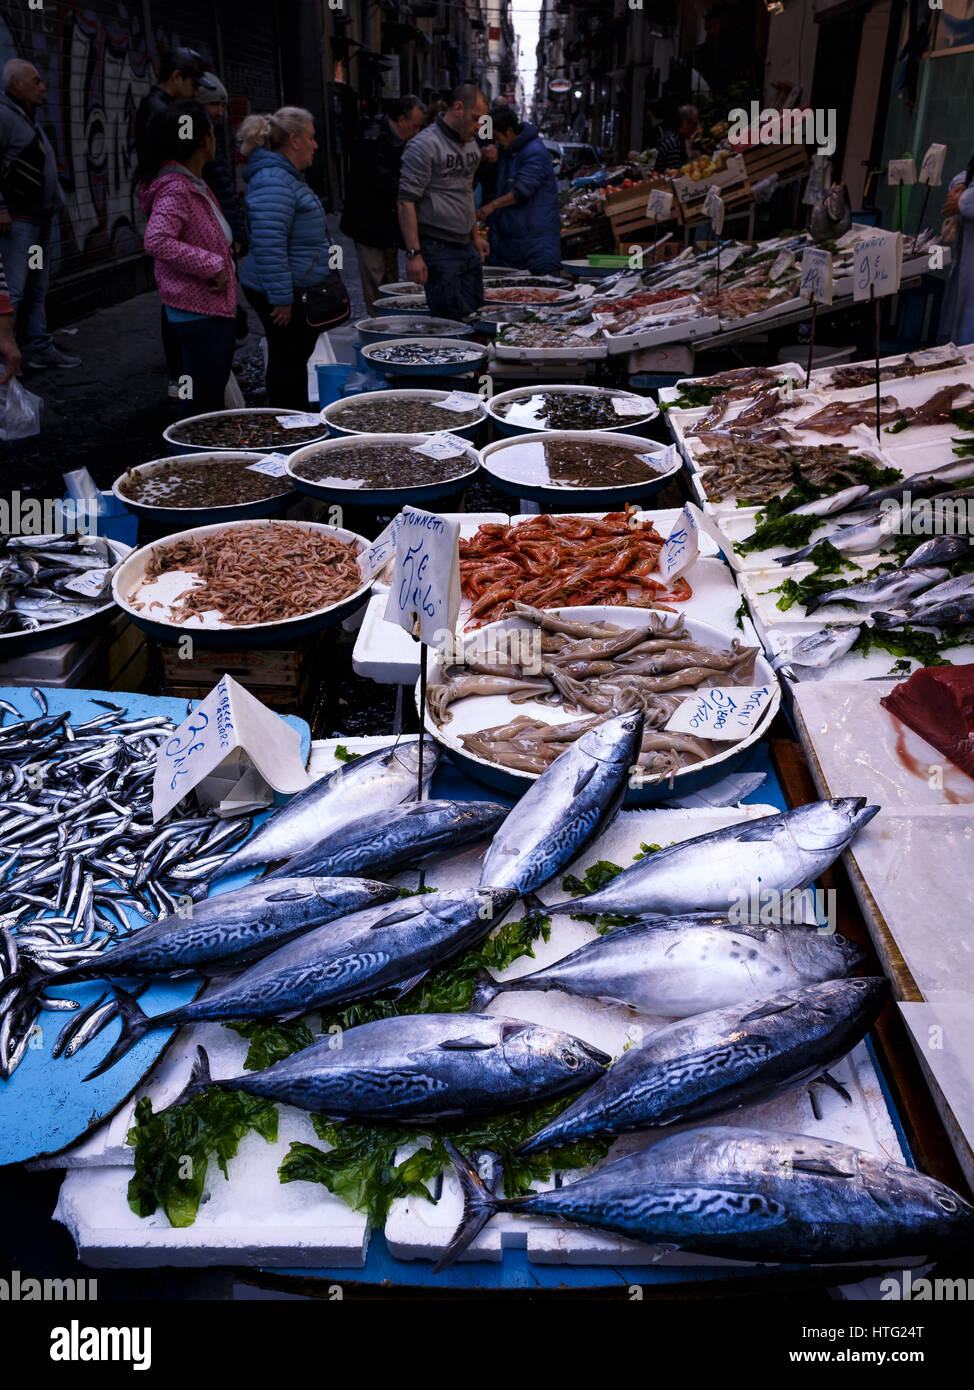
[721,1060]
[566,808]
[422,1067]
[711,872]
[745,1194]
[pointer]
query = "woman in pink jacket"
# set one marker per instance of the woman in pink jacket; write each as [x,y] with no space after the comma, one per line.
[190,240]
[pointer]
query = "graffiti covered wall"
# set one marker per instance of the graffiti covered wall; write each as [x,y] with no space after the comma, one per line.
[98,60]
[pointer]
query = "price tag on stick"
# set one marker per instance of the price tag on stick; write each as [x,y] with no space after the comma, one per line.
[816,281]
[424,597]
[876,265]
[681,546]
[901,171]
[932,168]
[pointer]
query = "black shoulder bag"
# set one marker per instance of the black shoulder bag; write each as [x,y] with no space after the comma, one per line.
[22,182]
[326,305]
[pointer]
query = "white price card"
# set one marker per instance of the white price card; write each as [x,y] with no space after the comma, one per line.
[713,206]
[876,265]
[372,559]
[275,466]
[424,592]
[723,712]
[665,462]
[901,171]
[783,261]
[301,420]
[660,205]
[681,546]
[459,401]
[816,281]
[91,583]
[932,168]
[633,406]
[587,330]
[442,446]
[228,723]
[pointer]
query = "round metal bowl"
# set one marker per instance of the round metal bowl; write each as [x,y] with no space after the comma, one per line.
[625,424]
[401,304]
[482,712]
[503,272]
[332,413]
[183,447]
[402,288]
[71,630]
[271,634]
[257,510]
[345,491]
[477,358]
[410,326]
[518,481]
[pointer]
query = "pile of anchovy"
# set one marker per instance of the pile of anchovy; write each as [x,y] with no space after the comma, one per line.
[429,354]
[78,846]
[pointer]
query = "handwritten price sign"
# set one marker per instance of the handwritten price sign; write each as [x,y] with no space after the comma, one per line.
[816,281]
[713,206]
[901,171]
[228,723]
[681,546]
[932,168]
[725,713]
[660,205]
[876,265]
[424,595]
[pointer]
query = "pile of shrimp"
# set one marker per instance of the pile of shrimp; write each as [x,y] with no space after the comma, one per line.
[564,561]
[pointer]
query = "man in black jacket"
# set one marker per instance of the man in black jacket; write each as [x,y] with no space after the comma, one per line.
[218,175]
[180,74]
[369,216]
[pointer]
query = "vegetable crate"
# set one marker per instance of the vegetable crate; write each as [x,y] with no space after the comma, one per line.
[787,161]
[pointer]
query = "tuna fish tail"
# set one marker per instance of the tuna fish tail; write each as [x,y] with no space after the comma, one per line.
[479,1205]
[199,1079]
[485,992]
[135,1024]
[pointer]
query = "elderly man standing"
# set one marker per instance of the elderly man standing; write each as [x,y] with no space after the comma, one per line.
[369,216]
[437,215]
[30,200]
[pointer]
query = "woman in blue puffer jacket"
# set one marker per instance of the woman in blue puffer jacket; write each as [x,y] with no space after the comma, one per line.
[290,249]
[525,222]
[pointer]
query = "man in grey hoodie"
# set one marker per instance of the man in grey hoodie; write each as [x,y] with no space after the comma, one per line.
[30,200]
[437,216]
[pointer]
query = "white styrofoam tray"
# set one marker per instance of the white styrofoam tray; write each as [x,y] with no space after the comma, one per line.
[387,654]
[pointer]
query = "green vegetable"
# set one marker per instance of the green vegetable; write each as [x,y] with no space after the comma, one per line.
[785,530]
[270,1042]
[693,395]
[360,1167]
[173,1148]
[922,645]
[742,611]
[827,560]
[344,756]
[596,876]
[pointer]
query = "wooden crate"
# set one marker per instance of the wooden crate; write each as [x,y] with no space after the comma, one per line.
[787,161]
[626,211]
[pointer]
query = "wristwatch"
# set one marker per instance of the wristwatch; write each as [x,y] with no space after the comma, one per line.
[411,255]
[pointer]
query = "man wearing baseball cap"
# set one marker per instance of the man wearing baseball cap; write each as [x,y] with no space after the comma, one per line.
[218,173]
[180,74]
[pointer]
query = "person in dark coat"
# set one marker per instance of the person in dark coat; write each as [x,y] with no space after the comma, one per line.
[218,175]
[180,74]
[673,148]
[369,216]
[525,226]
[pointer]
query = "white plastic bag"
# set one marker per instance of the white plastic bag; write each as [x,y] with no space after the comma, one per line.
[20,411]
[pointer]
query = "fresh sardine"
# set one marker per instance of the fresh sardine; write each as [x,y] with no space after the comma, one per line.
[885,588]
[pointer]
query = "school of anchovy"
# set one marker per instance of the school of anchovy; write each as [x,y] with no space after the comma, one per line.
[79,846]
